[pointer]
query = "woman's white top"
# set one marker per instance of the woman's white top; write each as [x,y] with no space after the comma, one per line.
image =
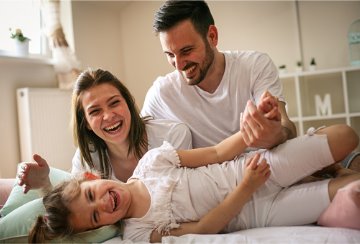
[158,130]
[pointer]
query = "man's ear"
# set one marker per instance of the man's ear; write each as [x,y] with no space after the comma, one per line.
[212,35]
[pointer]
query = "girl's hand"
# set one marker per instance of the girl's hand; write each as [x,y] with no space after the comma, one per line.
[256,172]
[269,106]
[34,175]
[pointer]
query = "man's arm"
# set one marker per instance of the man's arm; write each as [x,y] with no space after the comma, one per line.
[288,127]
[216,219]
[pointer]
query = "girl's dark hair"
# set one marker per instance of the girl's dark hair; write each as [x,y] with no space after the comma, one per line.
[86,139]
[172,12]
[55,224]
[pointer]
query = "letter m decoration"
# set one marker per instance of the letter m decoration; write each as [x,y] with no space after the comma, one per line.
[323,107]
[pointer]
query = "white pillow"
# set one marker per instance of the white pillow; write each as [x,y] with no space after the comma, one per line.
[15,226]
[17,198]
[21,210]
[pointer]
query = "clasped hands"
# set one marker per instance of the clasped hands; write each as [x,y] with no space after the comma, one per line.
[261,126]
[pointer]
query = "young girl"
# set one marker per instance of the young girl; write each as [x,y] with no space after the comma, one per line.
[169,194]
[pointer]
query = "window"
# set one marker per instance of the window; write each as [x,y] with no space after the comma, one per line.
[26,15]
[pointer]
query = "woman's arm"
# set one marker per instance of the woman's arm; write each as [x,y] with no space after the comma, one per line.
[225,150]
[216,220]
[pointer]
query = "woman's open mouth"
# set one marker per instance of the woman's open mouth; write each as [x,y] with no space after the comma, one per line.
[114,128]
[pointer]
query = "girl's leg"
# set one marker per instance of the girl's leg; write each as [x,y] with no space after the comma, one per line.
[299,204]
[336,135]
[337,183]
[304,203]
[342,140]
[304,155]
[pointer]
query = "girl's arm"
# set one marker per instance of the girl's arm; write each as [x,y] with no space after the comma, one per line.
[225,150]
[35,175]
[231,146]
[216,220]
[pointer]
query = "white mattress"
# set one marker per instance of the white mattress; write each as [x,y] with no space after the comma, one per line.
[291,234]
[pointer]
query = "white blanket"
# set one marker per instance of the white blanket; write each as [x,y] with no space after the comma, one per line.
[289,234]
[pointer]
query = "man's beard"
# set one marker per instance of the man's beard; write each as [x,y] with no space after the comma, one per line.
[209,59]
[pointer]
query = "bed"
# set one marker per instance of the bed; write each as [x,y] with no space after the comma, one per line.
[19,222]
[289,234]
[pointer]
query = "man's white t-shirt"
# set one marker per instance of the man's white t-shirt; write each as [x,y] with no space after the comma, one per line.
[213,117]
[157,130]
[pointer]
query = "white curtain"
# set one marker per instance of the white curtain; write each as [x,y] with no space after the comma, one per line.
[67,66]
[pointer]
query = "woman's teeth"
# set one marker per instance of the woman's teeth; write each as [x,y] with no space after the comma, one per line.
[113,127]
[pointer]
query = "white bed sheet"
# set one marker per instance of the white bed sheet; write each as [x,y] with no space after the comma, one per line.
[289,234]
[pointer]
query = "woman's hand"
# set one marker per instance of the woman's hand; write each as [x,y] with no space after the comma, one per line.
[34,175]
[256,172]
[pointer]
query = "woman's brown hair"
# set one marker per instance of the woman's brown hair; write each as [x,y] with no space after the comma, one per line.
[86,139]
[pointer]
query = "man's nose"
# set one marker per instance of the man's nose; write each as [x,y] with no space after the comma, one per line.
[179,64]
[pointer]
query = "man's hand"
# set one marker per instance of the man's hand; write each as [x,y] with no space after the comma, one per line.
[269,106]
[34,175]
[260,131]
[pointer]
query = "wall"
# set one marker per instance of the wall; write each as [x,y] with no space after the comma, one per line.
[16,73]
[325,27]
[97,37]
[268,26]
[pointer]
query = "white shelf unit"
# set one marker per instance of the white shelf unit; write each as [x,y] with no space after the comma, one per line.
[323,97]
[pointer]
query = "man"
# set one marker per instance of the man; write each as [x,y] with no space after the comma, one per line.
[210,89]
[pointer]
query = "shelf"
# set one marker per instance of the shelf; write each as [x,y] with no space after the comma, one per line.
[323,97]
[318,72]
[334,116]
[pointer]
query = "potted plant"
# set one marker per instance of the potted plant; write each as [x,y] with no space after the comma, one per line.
[21,42]
[312,64]
[282,69]
[299,66]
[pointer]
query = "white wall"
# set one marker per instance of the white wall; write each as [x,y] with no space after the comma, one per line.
[97,36]
[325,27]
[16,73]
[268,26]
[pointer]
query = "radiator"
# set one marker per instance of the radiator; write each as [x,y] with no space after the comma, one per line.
[44,125]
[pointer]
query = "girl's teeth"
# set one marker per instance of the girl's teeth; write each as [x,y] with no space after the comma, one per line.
[114,199]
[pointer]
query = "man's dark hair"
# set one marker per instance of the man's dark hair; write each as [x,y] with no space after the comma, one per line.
[174,11]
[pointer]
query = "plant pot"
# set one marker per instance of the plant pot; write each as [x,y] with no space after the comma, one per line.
[21,49]
[312,67]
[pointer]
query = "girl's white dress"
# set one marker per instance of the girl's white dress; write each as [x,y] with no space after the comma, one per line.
[180,194]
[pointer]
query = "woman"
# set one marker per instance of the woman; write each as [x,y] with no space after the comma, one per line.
[110,135]
[166,197]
